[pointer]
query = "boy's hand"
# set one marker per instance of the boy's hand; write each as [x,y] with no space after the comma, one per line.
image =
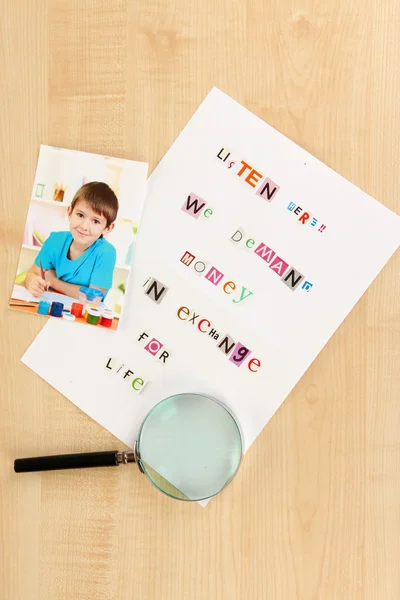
[35,284]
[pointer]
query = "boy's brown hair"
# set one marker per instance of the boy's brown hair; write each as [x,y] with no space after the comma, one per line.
[101,198]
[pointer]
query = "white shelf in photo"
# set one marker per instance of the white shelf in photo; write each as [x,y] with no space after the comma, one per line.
[50,202]
[29,247]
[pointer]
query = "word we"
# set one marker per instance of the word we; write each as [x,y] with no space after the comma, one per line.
[155,289]
[267,189]
[199,266]
[136,383]
[288,275]
[154,346]
[194,205]
[305,216]
[238,351]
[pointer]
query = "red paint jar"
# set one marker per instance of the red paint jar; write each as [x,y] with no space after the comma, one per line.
[106,318]
[76,309]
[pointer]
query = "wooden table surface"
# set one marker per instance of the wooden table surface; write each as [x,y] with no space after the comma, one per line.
[315,512]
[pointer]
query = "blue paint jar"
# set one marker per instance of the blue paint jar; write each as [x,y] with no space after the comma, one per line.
[43,307]
[56,309]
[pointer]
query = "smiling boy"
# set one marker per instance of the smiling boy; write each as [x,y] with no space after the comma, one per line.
[80,256]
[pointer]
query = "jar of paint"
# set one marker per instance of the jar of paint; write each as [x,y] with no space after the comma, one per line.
[87,307]
[93,316]
[76,309]
[56,309]
[43,307]
[68,317]
[106,318]
[90,295]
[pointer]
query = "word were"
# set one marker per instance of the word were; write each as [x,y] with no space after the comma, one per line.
[136,383]
[289,275]
[155,289]
[154,346]
[305,216]
[267,189]
[194,205]
[238,352]
[199,266]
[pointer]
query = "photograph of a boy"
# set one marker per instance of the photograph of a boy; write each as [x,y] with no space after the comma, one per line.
[80,256]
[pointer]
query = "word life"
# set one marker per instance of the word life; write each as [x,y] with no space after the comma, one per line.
[194,206]
[267,188]
[304,216]
[155,289]
[290,277]
[154,346]
[117,367]
[200,266]
[238,351]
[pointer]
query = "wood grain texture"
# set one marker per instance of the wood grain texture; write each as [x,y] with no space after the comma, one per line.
[315,512]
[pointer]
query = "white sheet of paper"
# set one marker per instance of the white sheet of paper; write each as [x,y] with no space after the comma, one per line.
[284,328]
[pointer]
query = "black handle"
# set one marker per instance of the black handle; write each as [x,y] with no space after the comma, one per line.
[66,461]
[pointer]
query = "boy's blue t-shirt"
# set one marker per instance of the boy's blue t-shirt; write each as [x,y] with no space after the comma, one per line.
[94,267]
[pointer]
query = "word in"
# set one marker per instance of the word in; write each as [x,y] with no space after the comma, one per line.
[239,352]
[154,289]
[154,346]
[305,216]
[136,383]
[194,207]
[214,276]
[288,275]
[267,190]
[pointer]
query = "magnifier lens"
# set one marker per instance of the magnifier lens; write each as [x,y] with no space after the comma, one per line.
[190,446]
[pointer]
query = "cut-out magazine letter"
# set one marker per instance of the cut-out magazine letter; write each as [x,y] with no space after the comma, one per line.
[250,255]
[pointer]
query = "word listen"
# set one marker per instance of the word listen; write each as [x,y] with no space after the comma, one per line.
[136,383]
[199,266]
[238,351]
[154,346]
[267,189]
[194,205]
[304,216]
[290,277]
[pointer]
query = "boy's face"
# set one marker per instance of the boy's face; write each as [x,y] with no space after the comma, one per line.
[86,226]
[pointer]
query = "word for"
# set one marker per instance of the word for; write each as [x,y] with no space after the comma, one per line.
[305,216]
[194,205]
[199,266]
[267,189]
[136,383]
[288,275]
[238,351]
[155,289]
[154,346]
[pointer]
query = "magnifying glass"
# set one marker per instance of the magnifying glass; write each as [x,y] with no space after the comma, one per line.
[189,446]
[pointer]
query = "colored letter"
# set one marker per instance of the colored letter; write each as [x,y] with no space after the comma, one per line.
[127,375]
[291,206]
[229,284]
[307,285]
[200,266]
[214,334]
[295,278]
[185,311]
[278,265]
[192,205]
[266,253]
[250,242]
[187,258]
[256,362]
[228,342]
[139,381]
[164,355]
[237,236]
[220,152]
[239,354]
[154,292]
[153,346]
[268,189]
[142,335]
[194,317]
[203,321]
[215,275]
[208,210]
[313,222]
[244,168]
[110,364]
[243,295]
[304,217]
[252,176]
[297,210]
